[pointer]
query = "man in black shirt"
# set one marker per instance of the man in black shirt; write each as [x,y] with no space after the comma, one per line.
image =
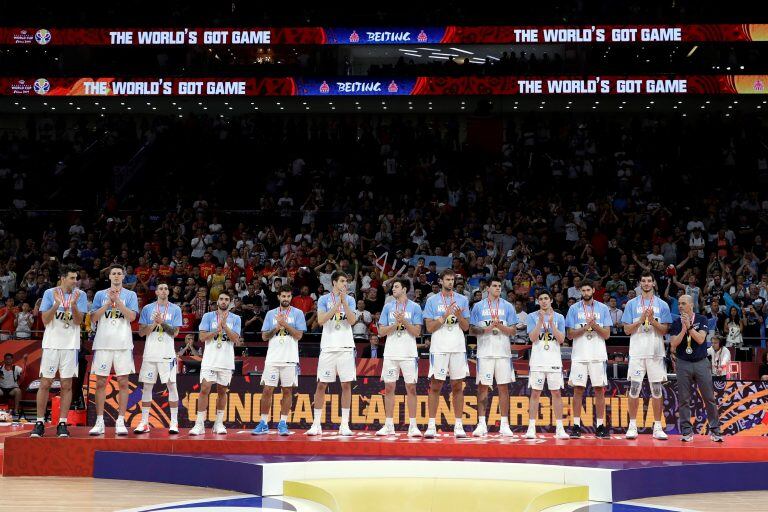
[687,339]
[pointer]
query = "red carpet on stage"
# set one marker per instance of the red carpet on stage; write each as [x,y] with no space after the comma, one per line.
[50,456]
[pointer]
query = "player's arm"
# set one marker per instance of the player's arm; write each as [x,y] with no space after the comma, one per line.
[268,334]
[414,329]
[232,335]
[676,339]
[125,310]
[99,312]
[698,335]
[146,329]
[660,328]
[433,324]
[324,316]
[205,334]
[49,313]
[350,312]
[557,333]
[463,321]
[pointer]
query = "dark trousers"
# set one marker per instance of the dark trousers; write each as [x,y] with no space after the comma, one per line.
[699,372]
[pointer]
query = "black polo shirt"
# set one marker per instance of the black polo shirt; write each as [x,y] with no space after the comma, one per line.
[699,351]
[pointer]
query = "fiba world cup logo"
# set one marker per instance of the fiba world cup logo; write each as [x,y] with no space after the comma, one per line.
[422,37]
[354,38]
[41,86]
[42,36]
[392,87]
[324,88]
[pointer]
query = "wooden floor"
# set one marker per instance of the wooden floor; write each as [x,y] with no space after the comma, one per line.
[55,494]
[755,501]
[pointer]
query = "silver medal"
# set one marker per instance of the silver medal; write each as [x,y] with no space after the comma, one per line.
[589,335]
[495,331]
[689,351]
[114,321]
[399,333]
[66,325]
[546,346]
[337,326]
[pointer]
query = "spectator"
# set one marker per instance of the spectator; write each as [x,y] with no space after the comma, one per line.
[25,321]
[360,330]
[734,327]
[763,370]
[188,349]
[8,319]
[373,350]
[304,300]
[10,377]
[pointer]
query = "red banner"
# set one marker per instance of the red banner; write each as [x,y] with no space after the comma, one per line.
[410,35]
[364,86]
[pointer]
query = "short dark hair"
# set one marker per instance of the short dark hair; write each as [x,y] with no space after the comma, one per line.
[338,274]
[116,266]
[224,293]
[543,291]
[587,282]
[285,289]
[7,354]
[647,273]
[494,279]
[447,272]
[405,283]
[69,269]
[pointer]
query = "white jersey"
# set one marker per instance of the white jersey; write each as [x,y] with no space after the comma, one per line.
[159,345]
[449,338]
[589,346]
[113,331]
[483,315]
[545,351]
[400,344]
[646,342]
[284,348]
[220,350]
[337,333]
[57,335]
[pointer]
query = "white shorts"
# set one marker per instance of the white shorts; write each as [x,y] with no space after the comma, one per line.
[554,380]
[285,375]
[453,365]
[332,363]
[104,360]
[220,376]
[164,370]
[654,367]
[63,361]
[490,368]
[593,370]
[391,369]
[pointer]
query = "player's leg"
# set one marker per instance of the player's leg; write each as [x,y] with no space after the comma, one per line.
[222,390]
[458,371]
[484,381]
[207,379]
[285,408]
[598,375]
[555,384]
[347,375]
[389,408]
[636,372]
[147,377]
[326,373]
[264,406]
[657,374]
[410,371]
[42,402]
[533,407]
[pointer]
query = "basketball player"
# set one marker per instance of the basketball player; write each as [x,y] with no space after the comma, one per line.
[493,321]
[160,323]
[220,331]
[546,329]
[62,309]
[400,322]
[113,310]
[646,320]
[283,328]
[447,318]
[336,313]
[589,324]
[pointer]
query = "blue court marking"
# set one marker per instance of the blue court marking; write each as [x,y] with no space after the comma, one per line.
[255,502]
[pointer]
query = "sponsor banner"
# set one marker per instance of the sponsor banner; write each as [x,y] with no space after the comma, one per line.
[363,86]
[743,406]
[503,34]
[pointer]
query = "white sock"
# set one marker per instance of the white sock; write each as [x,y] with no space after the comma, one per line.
[344,416]
[318,416]
[201,417]
[219,416]
[389,422]
[413,423]
[504,421]
[599,421]
[481,420]
[63,420]
[532,423]
[656,424]
[119,420]
[174,414]
[145,414]
[577,421]
[42,420]
[284,417]
[458,423]
[632,423]
[431,423]
[265,418]
[559,424]
[100,418]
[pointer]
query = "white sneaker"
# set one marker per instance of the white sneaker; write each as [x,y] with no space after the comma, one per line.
[531,432]
[345,431]
[143,428]
[219,428]
[506,431]
[631,432]
[658,433]
[197,430]
[480,431]
[430,433]
[413,431]
[315,430]
[386,430]
[120,429]
[173,428]
[458,431]
[97,430]
[560,433]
